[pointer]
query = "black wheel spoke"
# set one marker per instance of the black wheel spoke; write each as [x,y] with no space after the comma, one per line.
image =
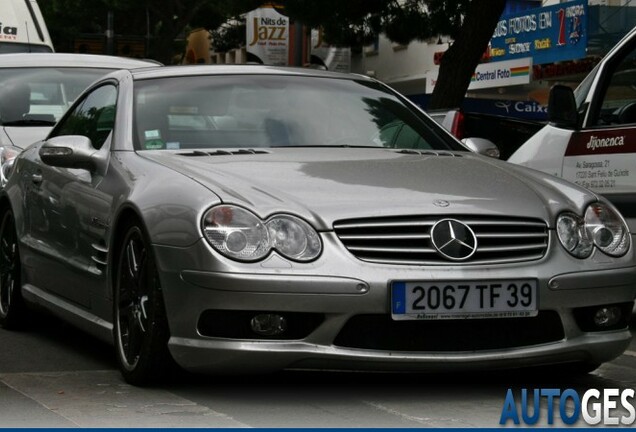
[136,335]
[5,249]
[133,260]
[127,331]
[9,271]
[5,291]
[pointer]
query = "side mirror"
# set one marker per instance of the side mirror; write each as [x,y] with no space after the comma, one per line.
[70,151]
[482,146]
[562,107]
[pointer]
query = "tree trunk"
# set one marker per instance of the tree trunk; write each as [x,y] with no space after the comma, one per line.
[461,59]
[162,46]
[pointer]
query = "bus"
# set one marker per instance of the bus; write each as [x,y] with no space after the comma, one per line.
[22,28]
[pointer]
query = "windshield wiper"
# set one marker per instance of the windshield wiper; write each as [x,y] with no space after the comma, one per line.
[29,122]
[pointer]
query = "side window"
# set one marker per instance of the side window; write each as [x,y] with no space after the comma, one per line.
[410,139]
[93,118]
[618,105]
[387,134]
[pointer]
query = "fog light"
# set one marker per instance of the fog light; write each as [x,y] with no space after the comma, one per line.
[607,316]
[269,324]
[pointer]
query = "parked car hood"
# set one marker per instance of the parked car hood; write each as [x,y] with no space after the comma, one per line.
[327,184]
[23,136]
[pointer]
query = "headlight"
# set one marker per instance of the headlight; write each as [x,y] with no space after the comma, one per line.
[7,159]
[294,238]
[573,235]
[236,233]
[601,227]
[607,229]
[241,235]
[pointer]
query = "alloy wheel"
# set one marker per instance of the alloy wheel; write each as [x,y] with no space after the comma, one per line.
[132,308]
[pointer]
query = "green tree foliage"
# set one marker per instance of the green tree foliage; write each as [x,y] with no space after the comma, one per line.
[160,21]
[360,21]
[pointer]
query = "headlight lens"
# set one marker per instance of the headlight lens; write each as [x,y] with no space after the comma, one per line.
[236,233]
[7,159]
[241,235]
[573,235]
[294,238]
[607,229]
[601,227]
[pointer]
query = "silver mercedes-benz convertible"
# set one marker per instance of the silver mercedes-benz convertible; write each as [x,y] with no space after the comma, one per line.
[250,218]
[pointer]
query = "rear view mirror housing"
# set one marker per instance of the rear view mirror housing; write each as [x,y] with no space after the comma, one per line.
[562,111]
[74,151]
[482,146]
[68,152]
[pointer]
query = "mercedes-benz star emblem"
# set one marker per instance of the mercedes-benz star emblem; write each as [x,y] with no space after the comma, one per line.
[453,239]
[441,203]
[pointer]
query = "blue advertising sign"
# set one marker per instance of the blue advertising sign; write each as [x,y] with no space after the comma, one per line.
[527,110]
[524,110]
[548,34]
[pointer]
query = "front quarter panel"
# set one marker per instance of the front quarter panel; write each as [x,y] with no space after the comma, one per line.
[170,204]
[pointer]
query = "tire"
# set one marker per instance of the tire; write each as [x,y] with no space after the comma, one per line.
[12,307]
[140,328]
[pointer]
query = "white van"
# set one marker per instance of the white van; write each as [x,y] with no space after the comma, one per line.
[591,137]
[22,28]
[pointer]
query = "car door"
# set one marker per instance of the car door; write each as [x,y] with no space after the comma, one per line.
[602,154]
[69,243]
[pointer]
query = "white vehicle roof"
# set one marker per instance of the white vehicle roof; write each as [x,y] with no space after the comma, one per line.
[72,60]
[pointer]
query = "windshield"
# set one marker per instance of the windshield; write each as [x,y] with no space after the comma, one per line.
[250,111]
[39,96]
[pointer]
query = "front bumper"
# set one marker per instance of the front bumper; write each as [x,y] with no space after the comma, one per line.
[339,287]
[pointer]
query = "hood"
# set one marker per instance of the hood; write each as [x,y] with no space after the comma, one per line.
[324,185]
[24,135]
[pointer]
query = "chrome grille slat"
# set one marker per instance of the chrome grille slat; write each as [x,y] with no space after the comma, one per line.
[395,249]
[512,235]
[407,240]
[405,223]
[477,222]
[385,237]
[511,248]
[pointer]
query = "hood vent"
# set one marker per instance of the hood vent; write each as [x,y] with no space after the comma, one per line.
[429,153]
[223,152]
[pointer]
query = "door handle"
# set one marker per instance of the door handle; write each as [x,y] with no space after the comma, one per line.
[36,178]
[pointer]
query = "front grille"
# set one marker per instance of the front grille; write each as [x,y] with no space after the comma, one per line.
[380,332]
[407,240]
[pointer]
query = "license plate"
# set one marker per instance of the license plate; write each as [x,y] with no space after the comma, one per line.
[464,299]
